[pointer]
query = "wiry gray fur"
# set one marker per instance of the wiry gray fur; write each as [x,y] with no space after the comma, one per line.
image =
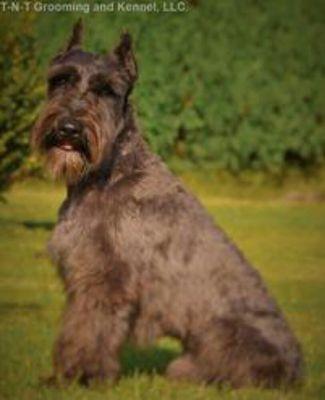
[140,257]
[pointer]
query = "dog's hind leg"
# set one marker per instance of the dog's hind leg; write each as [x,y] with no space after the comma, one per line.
[234,353]
[185,368]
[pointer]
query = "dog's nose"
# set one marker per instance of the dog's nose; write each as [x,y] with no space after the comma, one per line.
[69,127]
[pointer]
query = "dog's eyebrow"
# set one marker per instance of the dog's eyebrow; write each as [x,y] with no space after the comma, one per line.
[100,77]
[103,77]
[62,70]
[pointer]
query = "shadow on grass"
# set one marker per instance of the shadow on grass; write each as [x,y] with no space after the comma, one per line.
[29,224]
[16,308]
[150,360]
[47,225]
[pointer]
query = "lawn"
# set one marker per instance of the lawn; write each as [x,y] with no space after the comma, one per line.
[285,240]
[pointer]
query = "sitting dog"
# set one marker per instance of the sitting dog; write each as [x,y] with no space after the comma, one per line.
[138,255]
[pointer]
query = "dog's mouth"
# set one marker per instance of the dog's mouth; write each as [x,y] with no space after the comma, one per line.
[67,143]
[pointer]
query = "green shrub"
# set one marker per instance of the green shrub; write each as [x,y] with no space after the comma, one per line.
[18,95]
[233,84]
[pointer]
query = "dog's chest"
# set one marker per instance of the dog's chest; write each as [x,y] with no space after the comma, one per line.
[74,234]
[92,229]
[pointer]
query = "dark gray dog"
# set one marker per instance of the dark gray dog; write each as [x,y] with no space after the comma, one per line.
[138,254]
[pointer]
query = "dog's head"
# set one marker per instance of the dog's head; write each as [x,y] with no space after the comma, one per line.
[87,104]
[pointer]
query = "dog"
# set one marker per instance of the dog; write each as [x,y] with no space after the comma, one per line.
[138,255]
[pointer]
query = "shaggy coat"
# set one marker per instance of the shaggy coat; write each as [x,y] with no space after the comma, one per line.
[138,254]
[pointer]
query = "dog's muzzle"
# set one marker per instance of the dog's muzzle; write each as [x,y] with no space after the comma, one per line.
[67,135]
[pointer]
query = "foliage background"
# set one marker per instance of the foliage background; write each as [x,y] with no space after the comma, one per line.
[19,92]
[230,84]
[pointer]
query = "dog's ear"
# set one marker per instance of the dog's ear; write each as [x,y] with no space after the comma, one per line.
[74,40]
[76,36]
[125,56]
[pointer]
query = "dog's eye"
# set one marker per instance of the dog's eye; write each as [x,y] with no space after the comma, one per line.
[60,80]
[105,90]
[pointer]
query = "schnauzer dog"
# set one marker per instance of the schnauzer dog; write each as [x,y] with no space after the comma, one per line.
[138,255]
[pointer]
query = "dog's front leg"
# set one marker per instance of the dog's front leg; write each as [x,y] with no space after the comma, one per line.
[88,346]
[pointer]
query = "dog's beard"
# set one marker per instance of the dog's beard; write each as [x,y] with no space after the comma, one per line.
[67,157]
[69,166]
[71,159]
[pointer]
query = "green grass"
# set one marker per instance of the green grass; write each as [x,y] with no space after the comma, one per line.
[284,240]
